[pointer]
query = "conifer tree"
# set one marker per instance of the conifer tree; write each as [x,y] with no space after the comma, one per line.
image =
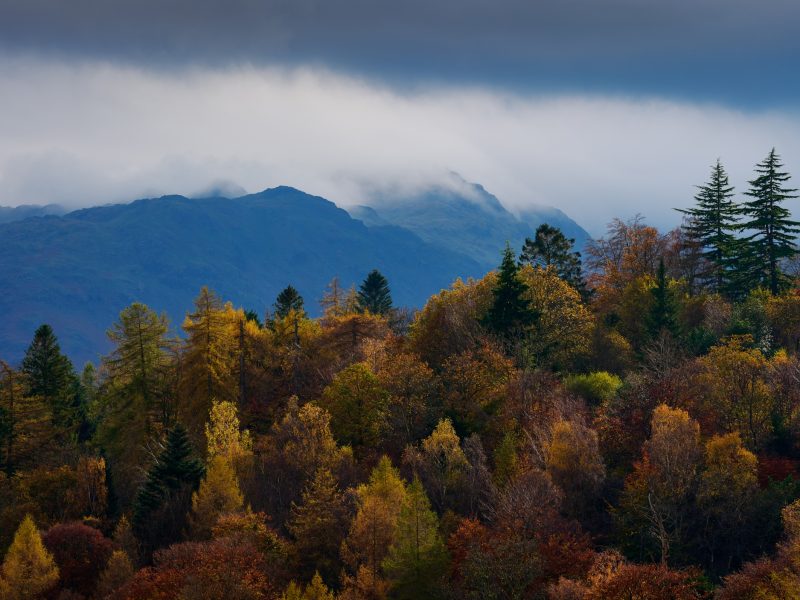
[218,494]
[334,300]
[50,376]
[117,573]
[318,525]
[551,248]
[163,500]
[26,427]
[417,560]
[510,312]
[374,295]
[712,224]
[29,570]
[774,233]
[288,300]
[663,315]
[373,529]
[209,366]
[138,363]
[137,401]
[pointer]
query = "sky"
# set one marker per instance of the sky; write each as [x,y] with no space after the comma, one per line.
[602,108]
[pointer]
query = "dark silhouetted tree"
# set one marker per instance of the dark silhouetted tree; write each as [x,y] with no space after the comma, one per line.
[550,248]
[163,501]
[774,233]
[510,311]
[373,294]
[288,300]
[712,224]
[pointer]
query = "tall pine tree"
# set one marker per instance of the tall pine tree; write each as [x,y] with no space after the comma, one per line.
[163,501]
[551,248]
[774,233]
[289,299]
[51,377]
[373,294]
[712,224]
[510,312]
[138,395]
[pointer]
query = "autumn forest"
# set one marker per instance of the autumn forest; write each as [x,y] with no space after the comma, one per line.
[617,423]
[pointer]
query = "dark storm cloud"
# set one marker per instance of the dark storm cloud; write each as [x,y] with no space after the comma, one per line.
[734,51]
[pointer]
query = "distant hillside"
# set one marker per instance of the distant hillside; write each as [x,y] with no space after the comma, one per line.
[9,214]
[79,270]
[470,221]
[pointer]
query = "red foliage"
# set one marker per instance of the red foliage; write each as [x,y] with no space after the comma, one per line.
[81,553]
[221,569]
[469,534]
[653,582]
[566,554]
[776,468]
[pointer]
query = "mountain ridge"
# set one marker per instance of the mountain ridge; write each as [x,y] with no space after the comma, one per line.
[78,270]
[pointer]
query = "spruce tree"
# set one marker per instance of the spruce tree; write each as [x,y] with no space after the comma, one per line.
[550,248]
[712,224]
[774,233]
[163,501]
[373,294]
[289,299]
[510,311]
[663,315]
[51,377]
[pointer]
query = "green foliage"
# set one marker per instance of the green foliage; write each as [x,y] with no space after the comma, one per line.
[550,248]
[163,500]
[374,295]
[358,406]
[288,300]
[510,312]
[596,387]
[136,404]
[774,232]
[50,376]
[417,560]
[712,224]
[663,312]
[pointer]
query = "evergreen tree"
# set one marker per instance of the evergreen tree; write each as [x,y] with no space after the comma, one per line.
[712,224]
[550,248]
[774,234]
[288,300]
[50,376]
[417,560]
[163,500]
[137,399]
[510,311]
[373,294]
[663,313]
[28,569]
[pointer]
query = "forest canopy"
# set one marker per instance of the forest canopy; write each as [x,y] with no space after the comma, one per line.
[619,424]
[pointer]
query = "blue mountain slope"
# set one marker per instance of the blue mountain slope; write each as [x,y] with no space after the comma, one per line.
[9,214]
[79,270]
[467,219]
